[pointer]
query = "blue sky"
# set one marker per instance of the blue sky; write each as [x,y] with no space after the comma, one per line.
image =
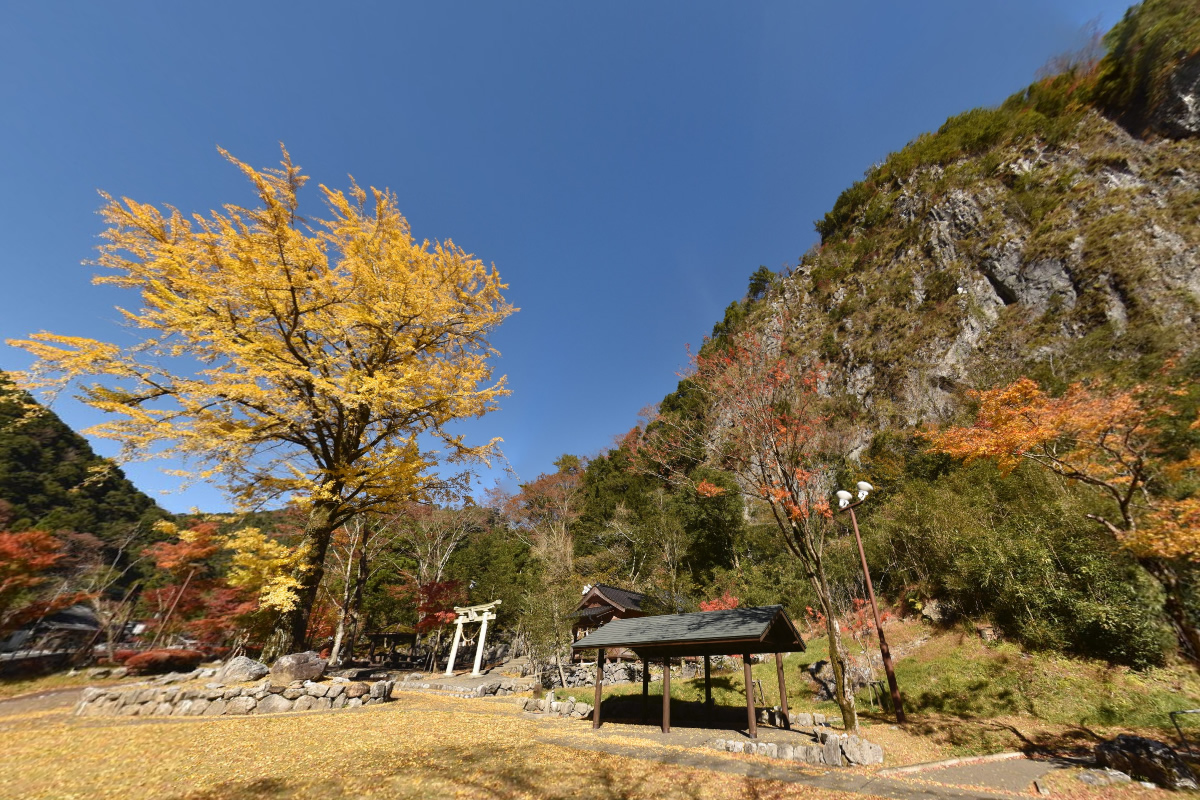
[626,166]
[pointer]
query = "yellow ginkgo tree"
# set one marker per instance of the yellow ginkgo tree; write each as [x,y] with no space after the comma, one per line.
[290,358]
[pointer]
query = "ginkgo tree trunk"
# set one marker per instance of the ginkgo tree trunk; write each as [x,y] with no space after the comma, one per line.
[291,358]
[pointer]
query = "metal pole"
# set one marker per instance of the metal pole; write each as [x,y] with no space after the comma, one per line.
[883,645]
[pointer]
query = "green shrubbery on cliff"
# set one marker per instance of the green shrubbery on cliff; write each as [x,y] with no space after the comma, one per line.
[1055,236]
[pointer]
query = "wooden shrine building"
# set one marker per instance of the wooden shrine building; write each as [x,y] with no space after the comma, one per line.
[734,632]
[601,604]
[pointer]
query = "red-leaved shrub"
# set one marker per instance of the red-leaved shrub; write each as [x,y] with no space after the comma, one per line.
[121,656]
[155,662]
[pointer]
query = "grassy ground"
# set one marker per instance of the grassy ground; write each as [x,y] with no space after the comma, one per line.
[971,696]
[418,747]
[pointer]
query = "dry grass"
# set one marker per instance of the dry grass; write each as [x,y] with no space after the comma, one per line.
[420,746]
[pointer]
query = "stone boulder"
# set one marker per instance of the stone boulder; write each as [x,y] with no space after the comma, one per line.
[1178,116]
[1146,759]
[274,704]
[860,751]
[357,689]
[298,667]
[241,669]
[241,705]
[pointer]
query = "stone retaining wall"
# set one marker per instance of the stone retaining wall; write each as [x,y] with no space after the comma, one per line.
[494,688]
[566,707]
[829,749]
[215,700]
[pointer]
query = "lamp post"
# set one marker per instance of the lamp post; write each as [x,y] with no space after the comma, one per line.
[844,504]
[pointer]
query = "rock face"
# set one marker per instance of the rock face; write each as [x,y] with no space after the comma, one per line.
[298,667]
[1178,116]
[943,277]
[241,669]
[1146,759]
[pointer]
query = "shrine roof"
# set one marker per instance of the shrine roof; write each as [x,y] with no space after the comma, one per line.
[621,599]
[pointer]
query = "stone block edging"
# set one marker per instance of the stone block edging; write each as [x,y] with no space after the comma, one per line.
[141,700]
[495,688]
[549,705]
[829,749]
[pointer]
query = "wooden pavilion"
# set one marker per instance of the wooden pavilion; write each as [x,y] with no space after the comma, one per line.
[734,632]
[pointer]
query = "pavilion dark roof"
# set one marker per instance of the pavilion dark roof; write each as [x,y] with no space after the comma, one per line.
[765,629]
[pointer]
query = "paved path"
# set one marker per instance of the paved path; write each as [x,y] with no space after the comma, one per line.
[880,786]
[1012,775]
[40,701]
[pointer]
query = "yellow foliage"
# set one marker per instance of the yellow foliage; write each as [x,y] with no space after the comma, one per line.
[1171,530]
[325,348]
[264,566]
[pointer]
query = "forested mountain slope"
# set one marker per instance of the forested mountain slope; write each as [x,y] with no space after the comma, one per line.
[1055,237]
[48,479]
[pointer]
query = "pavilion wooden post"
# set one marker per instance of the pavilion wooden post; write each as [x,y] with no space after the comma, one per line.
[645,688]
[749,696]
[708,703]
[787,722]
[599,685]
[666,721]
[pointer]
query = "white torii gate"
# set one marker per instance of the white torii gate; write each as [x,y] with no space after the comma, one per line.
[480,614]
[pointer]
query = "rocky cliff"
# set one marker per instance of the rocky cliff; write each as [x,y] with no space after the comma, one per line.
[1055,236]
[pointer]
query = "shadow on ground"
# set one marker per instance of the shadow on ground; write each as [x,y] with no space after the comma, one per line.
[501,772]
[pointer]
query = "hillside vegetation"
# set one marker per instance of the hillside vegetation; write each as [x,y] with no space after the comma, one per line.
[50,478]
[1051,244]
[1055,237]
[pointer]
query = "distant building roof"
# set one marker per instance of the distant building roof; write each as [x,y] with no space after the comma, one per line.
[75,618]
[738,631]
[623,600]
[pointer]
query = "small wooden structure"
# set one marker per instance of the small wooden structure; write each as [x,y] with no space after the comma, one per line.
[385,648]
[734,632]
[602,604]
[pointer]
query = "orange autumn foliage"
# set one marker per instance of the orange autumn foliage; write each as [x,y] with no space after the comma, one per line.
[722,603]
[24,559]
[1085,434]
[1171,530]
[1096,435]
